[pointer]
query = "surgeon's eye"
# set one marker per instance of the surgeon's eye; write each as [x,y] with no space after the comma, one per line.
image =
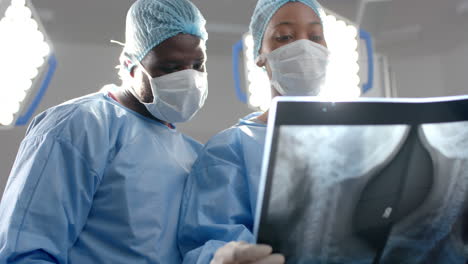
[168,69]
[316,38]
[284,38]
[199,66]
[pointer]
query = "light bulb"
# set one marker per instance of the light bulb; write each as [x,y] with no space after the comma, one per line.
[6,119]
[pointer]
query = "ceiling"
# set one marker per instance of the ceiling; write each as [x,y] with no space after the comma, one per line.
[416,27]
[398,26]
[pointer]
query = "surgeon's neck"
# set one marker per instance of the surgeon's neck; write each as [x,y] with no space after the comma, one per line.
[127,99]
[263,117]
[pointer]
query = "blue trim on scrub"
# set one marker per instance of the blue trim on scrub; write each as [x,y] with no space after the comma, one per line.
[23,120]
[364,35]
[236,50]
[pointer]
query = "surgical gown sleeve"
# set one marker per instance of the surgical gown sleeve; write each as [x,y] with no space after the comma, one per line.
[216,206]
[50,189]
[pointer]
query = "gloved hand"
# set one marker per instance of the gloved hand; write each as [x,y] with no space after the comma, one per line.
[243,253]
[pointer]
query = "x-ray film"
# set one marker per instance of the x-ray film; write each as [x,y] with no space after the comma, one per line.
[368,192]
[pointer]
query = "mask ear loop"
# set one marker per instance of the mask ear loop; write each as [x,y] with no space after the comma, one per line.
[137,63]
[261,59]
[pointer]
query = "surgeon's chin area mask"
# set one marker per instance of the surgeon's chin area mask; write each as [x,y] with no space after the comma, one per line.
[177,96]
[298,68]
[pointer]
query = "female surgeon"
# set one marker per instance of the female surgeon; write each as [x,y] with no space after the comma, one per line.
[221,193]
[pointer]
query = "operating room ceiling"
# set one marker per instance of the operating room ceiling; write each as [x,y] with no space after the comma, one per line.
[395,24]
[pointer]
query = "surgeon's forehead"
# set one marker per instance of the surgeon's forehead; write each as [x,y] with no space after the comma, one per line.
[294,13]
[177,48]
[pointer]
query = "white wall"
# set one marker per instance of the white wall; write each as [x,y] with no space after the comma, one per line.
[83,69]
[435,75]
[455,69]
[419,77]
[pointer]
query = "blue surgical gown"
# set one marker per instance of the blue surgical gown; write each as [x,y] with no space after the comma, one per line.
[221,192]
[95,182]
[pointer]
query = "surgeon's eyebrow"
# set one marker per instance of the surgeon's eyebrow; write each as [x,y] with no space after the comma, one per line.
[292,23]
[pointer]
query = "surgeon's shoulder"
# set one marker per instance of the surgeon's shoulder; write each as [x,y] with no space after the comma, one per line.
[88,113]
[223,147]
[194,144]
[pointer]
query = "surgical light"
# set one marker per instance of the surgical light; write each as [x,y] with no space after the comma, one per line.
[26,54]
[343,74]
[343,70]
[258,84]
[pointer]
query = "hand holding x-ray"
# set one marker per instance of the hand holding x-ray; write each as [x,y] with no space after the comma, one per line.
[244,253]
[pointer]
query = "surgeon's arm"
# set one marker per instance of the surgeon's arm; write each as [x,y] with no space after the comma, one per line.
[46,201]
[215,209]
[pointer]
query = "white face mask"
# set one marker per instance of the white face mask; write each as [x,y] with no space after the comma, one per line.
[178,96]
[299,68]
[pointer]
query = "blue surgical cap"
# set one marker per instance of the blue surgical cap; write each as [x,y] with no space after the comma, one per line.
[150,22]
[265,10]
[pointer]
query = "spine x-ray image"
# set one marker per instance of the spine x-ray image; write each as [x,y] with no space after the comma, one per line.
[369,194]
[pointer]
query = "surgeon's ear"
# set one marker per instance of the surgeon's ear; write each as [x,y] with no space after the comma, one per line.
[260,61]
[132,72]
